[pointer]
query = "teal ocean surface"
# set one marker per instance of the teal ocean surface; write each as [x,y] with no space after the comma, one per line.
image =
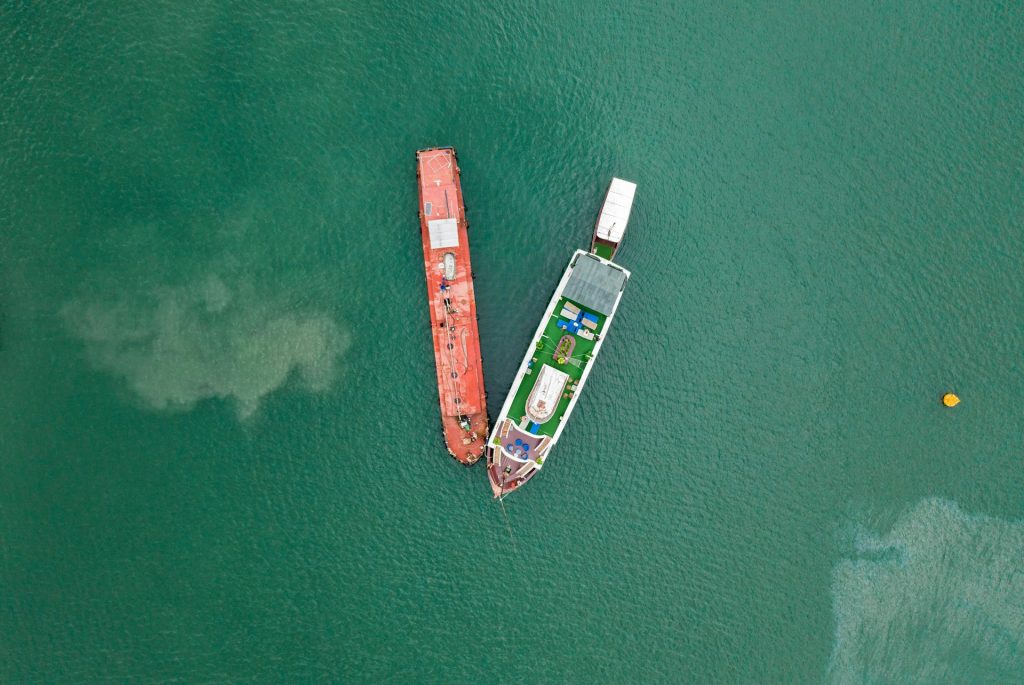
[220,455]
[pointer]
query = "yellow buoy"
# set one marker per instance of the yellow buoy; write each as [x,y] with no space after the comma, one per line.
[950,400]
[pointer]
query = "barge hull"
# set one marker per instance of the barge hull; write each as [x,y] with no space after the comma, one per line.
[452,303]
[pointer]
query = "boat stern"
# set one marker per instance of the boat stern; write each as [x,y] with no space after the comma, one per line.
[465,437]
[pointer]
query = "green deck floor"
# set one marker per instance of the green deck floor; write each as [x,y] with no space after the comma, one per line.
[552,334]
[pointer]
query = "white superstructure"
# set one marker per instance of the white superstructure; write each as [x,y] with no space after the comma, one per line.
[611,224]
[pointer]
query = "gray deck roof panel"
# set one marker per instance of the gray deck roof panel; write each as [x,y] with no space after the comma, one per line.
[594,284]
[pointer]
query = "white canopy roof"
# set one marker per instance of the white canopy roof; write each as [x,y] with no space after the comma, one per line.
[443,233]
[595,284]
[615,213]
[547,391]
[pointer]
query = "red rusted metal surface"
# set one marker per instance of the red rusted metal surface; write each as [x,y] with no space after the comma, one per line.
[460,378]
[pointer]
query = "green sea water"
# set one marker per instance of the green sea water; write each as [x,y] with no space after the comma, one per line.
[220,455]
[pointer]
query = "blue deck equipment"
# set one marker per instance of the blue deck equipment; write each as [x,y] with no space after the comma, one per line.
[570,326]
[590,317]
[534,427]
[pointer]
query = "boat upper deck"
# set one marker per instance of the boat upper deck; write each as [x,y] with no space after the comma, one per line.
[566,345]
[556,365]
[554,370]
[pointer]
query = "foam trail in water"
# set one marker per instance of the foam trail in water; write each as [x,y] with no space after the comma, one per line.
[938,599]
[177,345]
